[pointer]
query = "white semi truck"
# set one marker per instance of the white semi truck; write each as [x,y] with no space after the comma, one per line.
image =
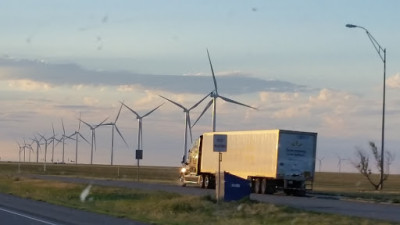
[271,159]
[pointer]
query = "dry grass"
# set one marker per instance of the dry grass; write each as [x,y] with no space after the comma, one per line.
[149,173]
[168,208]
[345,184]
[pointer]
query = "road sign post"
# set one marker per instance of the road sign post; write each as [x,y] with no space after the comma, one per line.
[220,142]
[139,156]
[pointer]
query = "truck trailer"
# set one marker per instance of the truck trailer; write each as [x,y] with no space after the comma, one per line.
[273,160]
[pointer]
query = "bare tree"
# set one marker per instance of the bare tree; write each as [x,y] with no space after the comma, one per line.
[362,164]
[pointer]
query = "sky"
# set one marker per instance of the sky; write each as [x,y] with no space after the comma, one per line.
[295,61]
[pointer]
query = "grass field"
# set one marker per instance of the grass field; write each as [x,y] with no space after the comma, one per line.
[344,184]
[168,208]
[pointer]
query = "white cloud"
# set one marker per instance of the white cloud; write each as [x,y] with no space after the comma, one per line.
[91,101]
[126,88]
[393,81]
[29,85]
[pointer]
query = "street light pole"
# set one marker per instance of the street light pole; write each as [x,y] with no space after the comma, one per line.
[382,54]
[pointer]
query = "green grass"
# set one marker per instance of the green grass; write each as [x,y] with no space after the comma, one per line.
[348,185]
[166,208]
[147,173]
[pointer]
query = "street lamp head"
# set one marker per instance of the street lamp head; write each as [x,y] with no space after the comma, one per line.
[351,26]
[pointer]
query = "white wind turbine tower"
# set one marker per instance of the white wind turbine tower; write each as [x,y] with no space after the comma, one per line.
[187,123]
[19,156]
[114,127]
[139,150]
[139,118]
[214,94]
[24,148]
[63,137]
[320,163]
[54,138]
[47,141]
[29,146]
[77,134]
[93,130]
[340,163]
[34,139]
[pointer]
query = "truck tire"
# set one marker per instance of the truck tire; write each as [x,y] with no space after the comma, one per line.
[257,186]
[207,181]
[201,181]
[263,186]
[300,193]
[288,191]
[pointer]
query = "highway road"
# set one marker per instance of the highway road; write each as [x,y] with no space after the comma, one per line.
[387,212]
[15,210]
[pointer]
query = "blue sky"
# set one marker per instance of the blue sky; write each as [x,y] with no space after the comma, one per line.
[294,60]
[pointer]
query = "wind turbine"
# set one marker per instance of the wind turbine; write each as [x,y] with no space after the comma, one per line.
[29,146]
[340,163]
[47,141]
[77,134]
[140,118]
[34,139]
[24,148]
[187,123]
[63,137]
[114,127]
[214,94]
[139,150]
[320,163]
[19,156]
[54,138]
[93,130]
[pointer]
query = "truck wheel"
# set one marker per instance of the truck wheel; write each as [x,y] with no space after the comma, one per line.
[207,181]
[288,191]
[270,189]
[201,181]
[300,193]
[257,186]
[263,186]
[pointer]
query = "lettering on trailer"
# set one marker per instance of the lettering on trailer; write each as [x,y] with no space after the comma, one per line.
[220,141]
[296,152]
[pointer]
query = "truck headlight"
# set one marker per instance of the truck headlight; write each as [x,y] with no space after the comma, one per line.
[183,170]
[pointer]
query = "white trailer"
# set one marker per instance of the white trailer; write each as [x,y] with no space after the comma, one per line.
[272,159]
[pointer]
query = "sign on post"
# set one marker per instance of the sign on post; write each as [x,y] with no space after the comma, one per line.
[139,154]
[220,142]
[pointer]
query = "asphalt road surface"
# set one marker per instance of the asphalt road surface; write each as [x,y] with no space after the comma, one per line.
[16,211]
[387,212]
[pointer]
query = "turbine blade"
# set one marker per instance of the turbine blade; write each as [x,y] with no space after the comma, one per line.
[195,105]
[62,123]
[133,111]
[79,127]
[52,126]
[120,134]
[173,102]
[102,123]
[119,112]
[152,110]
[205,109]
[90,126]
[83,138]
[190,127]
[71,136]
[212,71]
[236,102]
